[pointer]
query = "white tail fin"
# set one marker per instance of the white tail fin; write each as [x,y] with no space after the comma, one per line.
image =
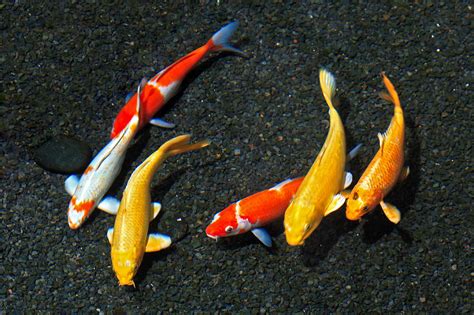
[328,85]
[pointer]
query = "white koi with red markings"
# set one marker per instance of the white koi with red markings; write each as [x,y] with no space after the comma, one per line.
[89,190]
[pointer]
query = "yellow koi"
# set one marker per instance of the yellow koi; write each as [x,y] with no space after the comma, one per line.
[129,237]
[321,190]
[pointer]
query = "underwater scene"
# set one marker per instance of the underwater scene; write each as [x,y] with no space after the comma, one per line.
[232,157]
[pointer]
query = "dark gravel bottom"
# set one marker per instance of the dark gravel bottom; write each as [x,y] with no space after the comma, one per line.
[66,69]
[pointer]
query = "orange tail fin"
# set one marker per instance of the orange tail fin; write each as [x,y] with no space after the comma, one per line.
[393,95]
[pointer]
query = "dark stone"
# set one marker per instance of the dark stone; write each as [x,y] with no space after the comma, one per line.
[64,155]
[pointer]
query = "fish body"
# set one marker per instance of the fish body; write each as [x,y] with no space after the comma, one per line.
[166,83]
[385,169]
[253,212]
[89,190]
[129,237]
[320,191]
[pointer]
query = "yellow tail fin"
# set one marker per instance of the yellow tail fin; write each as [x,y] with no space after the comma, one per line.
[393,95]
[328,86]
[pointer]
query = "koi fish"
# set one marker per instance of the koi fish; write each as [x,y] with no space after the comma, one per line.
[88,191]
[253,212]
[320,192]
[163,86]
[385,169]
[258,210]
[129,237]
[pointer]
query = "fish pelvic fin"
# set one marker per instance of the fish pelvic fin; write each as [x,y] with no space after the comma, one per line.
[392,95]
[219,41]
[328,86]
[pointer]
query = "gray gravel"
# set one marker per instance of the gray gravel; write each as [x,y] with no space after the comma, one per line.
[67,68]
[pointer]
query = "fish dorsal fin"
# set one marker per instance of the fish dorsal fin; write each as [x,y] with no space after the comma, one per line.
[382,138]
[157,242]
[71,184]
[392,213]
[337,202]
[263,236]
[110,235]
[156,206]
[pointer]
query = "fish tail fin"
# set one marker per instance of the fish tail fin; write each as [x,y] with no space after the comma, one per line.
[219,41]
[392,95]
[186,147]
[328,86]
[180,144]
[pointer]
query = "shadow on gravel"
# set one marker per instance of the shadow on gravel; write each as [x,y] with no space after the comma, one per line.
[318,245]
[402,196]
[193,75]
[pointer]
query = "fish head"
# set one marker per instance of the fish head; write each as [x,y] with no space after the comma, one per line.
[224,224]
[360,202]
[79,211]
[125,267]
[300,223]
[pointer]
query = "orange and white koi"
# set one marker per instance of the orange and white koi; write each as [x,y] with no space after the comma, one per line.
[166,83]
[89,190]
[253,212]
[129,237]
[385,169]
[321,191]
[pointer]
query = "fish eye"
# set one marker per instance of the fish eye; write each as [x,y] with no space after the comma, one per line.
[356,196]
[366,208]
[229,229]
[307,227]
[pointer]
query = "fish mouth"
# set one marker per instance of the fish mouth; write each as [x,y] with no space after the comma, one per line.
[295,241]
[352,216]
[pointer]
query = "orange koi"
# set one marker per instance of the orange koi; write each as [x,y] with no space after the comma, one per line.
[385,169]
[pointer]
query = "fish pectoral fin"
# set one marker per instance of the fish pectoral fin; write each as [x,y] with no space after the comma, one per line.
[157,242]
[161,123]
[347,180]
[345,193]
[404,174]
[110,235]
[71,184]
[354,152]
[109,204]
[263,236]
[392,213]
[337,202]
[156,209]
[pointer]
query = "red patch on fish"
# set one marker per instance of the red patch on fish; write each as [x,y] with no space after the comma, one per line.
[88,169]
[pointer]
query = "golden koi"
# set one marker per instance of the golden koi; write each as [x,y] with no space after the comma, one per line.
[320,193]
[385,169]
[129,237]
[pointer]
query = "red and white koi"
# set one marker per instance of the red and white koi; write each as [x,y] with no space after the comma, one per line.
[253,212]
[258,210]
[166,83]
[88,191]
